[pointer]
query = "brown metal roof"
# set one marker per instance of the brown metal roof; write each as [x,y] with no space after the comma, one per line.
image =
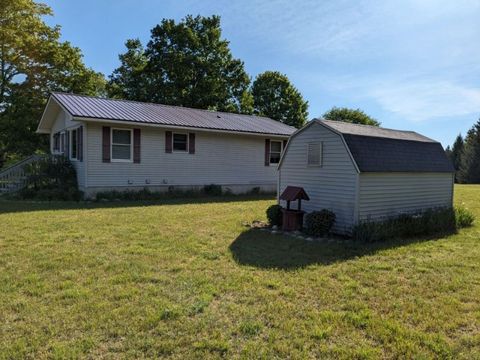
[81,106]
[292,193]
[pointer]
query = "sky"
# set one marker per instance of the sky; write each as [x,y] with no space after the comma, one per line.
[411,64]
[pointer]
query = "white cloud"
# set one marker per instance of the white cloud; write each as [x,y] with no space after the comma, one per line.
[421,101]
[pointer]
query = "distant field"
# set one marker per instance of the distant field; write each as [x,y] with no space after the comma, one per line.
[185,279]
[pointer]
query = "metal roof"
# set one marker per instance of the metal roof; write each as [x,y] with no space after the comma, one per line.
[81,106]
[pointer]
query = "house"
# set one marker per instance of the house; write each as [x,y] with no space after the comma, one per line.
[119,145]
[365,173]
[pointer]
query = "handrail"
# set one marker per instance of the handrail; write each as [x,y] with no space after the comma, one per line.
[13,178]
[25,161]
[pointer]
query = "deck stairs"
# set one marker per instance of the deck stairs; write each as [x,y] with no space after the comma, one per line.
[14,178]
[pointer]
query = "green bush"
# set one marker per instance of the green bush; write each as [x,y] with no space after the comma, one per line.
[51,178]
[274,215]
[213,190]
[463,217]
[430,222]
[319,223]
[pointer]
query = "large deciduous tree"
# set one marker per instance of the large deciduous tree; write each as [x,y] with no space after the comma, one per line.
[185,63]
[275,96]
[354,116]
[34,62]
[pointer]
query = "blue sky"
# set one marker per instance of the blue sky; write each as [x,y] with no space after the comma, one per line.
[411,64]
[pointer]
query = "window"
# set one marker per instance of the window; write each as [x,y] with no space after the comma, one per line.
[62,142]
[314,154]
[56,142]
[121,145]
[74,145]
[180,142]
[275,151]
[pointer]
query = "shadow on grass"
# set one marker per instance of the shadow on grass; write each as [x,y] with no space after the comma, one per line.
[12,206]
[265,250]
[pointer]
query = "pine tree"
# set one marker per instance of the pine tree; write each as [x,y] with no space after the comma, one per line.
[469,171]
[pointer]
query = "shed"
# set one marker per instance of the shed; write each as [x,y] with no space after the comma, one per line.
[363,172]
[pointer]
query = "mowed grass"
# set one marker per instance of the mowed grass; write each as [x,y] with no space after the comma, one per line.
[187,279]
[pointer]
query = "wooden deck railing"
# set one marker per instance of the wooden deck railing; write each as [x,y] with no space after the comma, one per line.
[13,178]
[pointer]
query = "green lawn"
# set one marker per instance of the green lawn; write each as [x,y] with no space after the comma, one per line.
[185,279]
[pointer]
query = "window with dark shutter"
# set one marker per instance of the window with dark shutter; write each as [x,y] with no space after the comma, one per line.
[80,143]
[267,152]
[168,141]
[136,145]
[106,144]
[191,143]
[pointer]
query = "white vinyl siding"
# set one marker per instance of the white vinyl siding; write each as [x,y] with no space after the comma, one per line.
[331,186]
[62,123]
[388,194]
[224,159]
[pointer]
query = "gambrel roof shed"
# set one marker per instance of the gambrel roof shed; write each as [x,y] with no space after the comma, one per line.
[365,172]
[376,149]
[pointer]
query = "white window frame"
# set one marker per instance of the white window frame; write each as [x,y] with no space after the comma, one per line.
[112,159]
[70,144]
[320,163]
[173,142]
[270,153]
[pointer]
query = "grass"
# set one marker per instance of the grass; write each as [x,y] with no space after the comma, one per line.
[185,279]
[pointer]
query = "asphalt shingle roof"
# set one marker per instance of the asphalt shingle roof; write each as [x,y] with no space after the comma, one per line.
[139,112]
[377,149]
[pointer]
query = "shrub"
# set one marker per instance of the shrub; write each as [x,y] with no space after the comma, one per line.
[428,223]
[463,217]
[274,215]
[212,190]
[319,223]
[51,178]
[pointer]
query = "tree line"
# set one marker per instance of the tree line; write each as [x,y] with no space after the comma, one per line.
[465,156]
[185,63]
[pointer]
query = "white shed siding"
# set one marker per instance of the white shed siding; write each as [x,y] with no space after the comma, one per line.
[221,159]
[332,186]
[64,122]
[389,194]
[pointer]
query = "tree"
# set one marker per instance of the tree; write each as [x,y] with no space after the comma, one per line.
[354,116]
[185,63]
[469,171]
[275,97]
[33,62]
[128,80]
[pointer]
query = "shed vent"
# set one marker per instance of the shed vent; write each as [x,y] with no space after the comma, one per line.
[314,156]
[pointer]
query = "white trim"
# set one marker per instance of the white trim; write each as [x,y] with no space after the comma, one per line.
[173,142]
[270,153]
[131,146]
[184,128]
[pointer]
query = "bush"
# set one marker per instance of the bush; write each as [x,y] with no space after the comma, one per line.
[319,223]
[274,215]
[212,190]
[463,217]
[51,178]
[428,223]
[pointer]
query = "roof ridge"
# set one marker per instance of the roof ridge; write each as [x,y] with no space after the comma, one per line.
[165,105]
